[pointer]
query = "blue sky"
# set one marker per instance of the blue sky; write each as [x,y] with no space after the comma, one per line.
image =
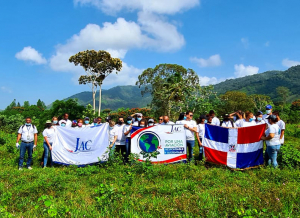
[218,39]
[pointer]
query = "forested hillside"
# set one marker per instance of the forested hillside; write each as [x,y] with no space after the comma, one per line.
[265,83]
[117,97]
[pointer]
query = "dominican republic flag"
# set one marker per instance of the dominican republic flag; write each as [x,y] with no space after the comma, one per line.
[234,147]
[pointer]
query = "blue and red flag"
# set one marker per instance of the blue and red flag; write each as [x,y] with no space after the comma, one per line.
[234,147]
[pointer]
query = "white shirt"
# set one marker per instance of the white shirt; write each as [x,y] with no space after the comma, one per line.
[126,128]
[112,134]
[260,122]
[274,128]
[168,123]
[201,130]
[238,123]
[135,123]
[215,121]
[121,140]
[245,123]
[50,134]
[27,133]
[68,123]
[191,124]
[228,124]
[281,125]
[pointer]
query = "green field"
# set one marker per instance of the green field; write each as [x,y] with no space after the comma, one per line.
[143,190]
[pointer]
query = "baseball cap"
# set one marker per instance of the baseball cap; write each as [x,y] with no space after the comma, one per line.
[271,117]
[129,118]
[95,120]
[108,118]
[86,118]
[268,107]
[150,121]
[74,121]
[139,114]
[48,121]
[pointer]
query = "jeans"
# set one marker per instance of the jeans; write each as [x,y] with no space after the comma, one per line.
[46,152]
[272,152]
[190,144]
[128,145]
[200,151]
[121,148]
[112,149]
[23,148]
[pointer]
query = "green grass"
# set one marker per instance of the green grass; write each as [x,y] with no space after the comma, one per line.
[141,190]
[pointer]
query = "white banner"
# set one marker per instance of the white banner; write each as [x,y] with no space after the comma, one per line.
[80,146]
[168,140]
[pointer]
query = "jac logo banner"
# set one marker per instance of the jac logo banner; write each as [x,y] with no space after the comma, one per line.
[81,146]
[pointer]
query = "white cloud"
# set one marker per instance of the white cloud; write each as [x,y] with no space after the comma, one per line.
[212,61]
[150,32]
[205,81]
[289,63]
[152,6]
[31,55]
[241,70]
[245,42]
[6,89]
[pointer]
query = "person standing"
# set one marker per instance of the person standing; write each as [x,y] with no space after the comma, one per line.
[190,128]
[227,122]
[121,139]
[249,120]
[167,121]
[160,120]
[66,120]
[281,125]
[181,117]
[112,138]
[49,136]
[151,122]
[259,118]
[28,135]
[272,138]
[215,121]
[79,123]
[99,120]
[87,122]
[269,110]
[127,132]
[139,117]
[200,134]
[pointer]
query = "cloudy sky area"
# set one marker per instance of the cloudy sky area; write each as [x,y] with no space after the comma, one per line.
[218,39]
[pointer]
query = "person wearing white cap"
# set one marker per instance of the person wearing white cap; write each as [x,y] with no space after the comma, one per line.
[150,122]
[49,136]
[138,117]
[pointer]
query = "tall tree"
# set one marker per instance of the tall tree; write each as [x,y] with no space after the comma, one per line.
[12,105]
[260,101]
[41,104]
[235,100]
[97,65]
[170,86]
[26,104]
[283,92]
[18,105]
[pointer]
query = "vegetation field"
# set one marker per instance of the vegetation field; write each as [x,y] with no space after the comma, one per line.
[144,190]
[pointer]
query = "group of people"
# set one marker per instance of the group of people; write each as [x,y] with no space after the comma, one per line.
[120,132]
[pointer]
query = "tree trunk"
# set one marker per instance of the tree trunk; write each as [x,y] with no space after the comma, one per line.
[94,98]
[99,111]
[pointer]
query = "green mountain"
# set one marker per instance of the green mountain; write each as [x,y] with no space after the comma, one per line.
[117,97]
[265,83]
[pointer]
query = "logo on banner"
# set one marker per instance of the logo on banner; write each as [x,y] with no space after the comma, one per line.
[175,129]
[81,146]
[232,148]
[149,142]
